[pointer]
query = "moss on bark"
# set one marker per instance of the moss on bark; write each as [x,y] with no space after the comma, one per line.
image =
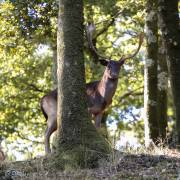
[169,25]
[150,74]
[162,91]
[77,143]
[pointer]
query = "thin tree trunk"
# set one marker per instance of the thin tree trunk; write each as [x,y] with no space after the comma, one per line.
[169,24]
[150,75]
[162,91]
[54,67]
[77,143]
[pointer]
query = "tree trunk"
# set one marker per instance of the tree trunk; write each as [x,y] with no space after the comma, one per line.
[77,143]
[162,91]
[150,75]
[169,24]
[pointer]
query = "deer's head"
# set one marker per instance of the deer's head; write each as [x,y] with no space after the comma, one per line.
[112,67]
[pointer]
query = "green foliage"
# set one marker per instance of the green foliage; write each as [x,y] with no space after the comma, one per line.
[25,68]
[37,19]
[25,75]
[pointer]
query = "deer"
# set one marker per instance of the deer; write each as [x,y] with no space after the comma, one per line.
[99,93]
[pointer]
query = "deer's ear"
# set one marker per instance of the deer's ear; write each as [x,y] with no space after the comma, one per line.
[103,62]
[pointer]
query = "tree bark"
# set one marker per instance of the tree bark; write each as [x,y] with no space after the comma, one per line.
[77,143]
[162,91]
[169,25]
[150,75]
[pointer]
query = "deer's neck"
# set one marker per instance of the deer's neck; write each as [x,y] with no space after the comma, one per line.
[107,88]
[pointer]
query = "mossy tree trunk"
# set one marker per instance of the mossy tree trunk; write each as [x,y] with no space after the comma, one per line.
[150,74]
[169,24]
[77,143]
[162,91]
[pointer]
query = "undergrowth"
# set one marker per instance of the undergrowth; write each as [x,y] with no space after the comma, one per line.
[141,163]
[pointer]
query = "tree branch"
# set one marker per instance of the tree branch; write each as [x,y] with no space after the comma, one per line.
[130,93]
[25,138]
[34,87]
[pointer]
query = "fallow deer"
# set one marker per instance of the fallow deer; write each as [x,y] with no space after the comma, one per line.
[99,93]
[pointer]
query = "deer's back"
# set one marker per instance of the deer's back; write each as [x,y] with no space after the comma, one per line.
[95,101]
[49,104]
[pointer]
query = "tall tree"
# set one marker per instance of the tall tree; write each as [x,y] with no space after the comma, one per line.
[150,74]
[77,142]
[169,24]
[162,91]
[32,74]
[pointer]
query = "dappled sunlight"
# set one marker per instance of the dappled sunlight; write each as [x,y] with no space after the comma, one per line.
[128,52]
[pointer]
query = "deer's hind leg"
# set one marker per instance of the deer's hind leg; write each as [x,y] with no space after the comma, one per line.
[51,127]
[97,119]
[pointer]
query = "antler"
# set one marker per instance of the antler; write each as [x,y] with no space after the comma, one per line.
[89,32]
[103,60]
[141,37]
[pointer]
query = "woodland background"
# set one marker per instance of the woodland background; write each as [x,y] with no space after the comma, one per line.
[28,71]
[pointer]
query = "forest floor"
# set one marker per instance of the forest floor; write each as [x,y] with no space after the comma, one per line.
[157,164]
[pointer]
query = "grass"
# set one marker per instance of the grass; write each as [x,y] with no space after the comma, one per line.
[156,163]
